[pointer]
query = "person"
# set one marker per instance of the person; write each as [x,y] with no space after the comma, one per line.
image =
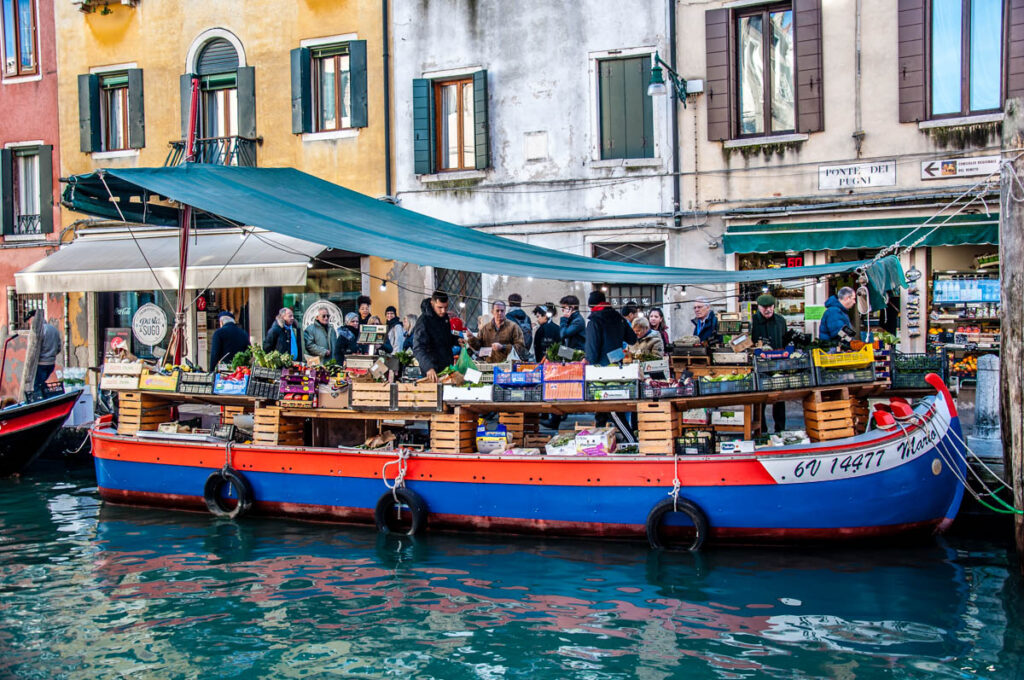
[49,348]
[767,326]
[396,332]
[283,336]
[517,315]
[227,341]
[547,332]
[363,303]
[501,335]
[648,342]
[432,336]
[572,328]
[656,318]
[319,337]
[705,323]
[630,312]
[347,338]
[837,314]
[606,332]
[408,325]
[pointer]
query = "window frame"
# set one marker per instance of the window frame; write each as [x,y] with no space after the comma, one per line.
[598,62]
[18,154]
[18,70]
[20,304]
[316,57]
[438,85]
[210,88]
[121,91]
[765,12]
[965,62]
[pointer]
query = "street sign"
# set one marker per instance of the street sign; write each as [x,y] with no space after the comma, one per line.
[948,168]
[877,174]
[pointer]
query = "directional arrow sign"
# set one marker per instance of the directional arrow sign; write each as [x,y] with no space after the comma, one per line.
[948,168]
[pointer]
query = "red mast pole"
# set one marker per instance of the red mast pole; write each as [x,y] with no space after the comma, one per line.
[177,342]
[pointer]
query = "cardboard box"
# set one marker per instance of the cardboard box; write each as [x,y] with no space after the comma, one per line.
[454,393]
[739,446]
[657,366]
[157,382]
[596,442]
[727,417]
[627,372]
[694,416]
[329,396]
[492,441]
[563,391]
[561,445]
[741,342]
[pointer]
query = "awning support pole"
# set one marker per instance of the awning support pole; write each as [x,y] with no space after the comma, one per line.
[176,345]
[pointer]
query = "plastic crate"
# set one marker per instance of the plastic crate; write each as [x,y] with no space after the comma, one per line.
[611,390]
[773,365]
[567,390]
[50,389]
[260,373]
[513,393]
[925,363]
[745,384]
[862,357]
[567,372]
[842,376]
[657,392]
[730,327]
[264,389]
[695,445]
[502,377]
[789,381]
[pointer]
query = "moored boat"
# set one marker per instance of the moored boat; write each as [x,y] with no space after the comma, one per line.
[26,429]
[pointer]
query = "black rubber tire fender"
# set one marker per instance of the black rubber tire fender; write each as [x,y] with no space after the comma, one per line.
[407,497]
[658,513]
[212,488]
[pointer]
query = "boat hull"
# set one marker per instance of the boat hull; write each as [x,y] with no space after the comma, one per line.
[25,430]
[874,485]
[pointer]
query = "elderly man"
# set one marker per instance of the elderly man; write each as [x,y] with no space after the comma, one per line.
[769,327]
[705,323]
[837,314]
[319,337]
[283,336]
[227,341]
[500,334]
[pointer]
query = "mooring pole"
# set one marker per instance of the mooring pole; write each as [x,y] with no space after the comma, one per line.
[1011,274]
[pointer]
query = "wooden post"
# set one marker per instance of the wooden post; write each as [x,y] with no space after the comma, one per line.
[35,341]
[1011,261]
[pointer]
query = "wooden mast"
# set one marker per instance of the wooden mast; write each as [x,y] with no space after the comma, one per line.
[176,345]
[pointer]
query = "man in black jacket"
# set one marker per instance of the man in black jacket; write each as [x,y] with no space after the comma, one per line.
[283,335]
[607,330]
[227,341]
[432,337]
[347,340]
[769,327]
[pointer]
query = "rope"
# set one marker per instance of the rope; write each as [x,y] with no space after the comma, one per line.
[403,466]
[674,493]
[227,455]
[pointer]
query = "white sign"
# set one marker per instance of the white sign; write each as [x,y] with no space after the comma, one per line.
[149,325]
[947,168]
[877,174]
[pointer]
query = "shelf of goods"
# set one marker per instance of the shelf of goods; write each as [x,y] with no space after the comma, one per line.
[833,414]
[909,370]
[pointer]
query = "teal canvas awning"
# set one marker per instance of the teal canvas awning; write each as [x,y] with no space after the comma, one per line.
[862,234]
[296,204]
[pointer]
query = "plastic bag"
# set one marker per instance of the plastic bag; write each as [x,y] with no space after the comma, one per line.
[464,362]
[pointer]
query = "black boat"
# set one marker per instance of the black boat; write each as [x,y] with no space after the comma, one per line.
[26,429]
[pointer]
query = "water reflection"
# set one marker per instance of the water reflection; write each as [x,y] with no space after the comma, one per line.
[102,590]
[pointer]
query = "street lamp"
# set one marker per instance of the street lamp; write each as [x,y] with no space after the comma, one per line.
[657,87]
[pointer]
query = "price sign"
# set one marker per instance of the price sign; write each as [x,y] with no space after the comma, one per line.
[795,261]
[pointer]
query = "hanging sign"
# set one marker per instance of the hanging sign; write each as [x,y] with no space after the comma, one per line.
[947,168]
[149,325]
[877,174]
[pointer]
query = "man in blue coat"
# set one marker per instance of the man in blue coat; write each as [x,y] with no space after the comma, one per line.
[837,314]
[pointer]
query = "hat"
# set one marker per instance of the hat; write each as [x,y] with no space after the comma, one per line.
[596,297]
[765,300]
[391,308]
[225,313]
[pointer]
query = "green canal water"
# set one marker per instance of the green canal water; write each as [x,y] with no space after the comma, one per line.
[89,590]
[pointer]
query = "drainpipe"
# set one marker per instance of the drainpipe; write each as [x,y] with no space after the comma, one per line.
[676,179]
[387,97]
[67,329]
[858,123]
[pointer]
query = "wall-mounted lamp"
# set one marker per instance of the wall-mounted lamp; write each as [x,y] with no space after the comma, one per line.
[657,87]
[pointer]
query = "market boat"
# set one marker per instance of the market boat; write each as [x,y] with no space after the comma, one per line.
[903,476]
[26,429]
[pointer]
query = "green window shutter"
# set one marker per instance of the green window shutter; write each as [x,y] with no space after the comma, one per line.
[185,86]
[46,189]
[423,126]
[247,102]
[481,143]
[357,75]
[6,191]
[136,110]
[302,91]
[89,123]
[612,96]
[627,113]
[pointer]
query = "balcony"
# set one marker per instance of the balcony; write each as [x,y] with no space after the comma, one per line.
[28,225]
[217,151]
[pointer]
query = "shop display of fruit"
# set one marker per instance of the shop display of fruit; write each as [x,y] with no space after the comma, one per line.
[966,367]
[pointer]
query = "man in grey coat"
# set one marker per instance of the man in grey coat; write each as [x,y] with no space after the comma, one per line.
[49,348]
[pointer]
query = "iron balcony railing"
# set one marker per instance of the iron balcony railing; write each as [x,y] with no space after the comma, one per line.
[28,224]
[217,151]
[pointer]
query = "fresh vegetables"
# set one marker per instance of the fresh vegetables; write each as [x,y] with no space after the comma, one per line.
[243,358]
[552,354]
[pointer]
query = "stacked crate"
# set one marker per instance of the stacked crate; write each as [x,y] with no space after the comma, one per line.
[453,432]
[270,427]
[424,396]
[861,414]
[519,426]
[137,411]
[828,414]
[228,413]
[371,396]
[659,427]
[563,382]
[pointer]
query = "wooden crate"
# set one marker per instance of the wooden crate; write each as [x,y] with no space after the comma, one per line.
[453,432]
[828,414]
[228,413]
[137,412]
[519,425]
[659,425]
[418,396]
[861,414]
[372,395]
[270,427]
[700,371]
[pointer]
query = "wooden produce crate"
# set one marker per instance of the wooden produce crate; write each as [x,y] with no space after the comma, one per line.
[659,426]
[828,415]
[137,412]
[418,397]
[699,371]
[453,432]
[861,414]
[519,425]
[372,396]
[228,413]
[270,427]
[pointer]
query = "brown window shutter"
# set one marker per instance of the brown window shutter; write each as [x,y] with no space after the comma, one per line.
[911,75]
[718,75]
[1015,50]
[810,104]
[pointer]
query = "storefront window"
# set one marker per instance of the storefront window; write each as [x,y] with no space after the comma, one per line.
[340,286]
[115,313]
[790,295]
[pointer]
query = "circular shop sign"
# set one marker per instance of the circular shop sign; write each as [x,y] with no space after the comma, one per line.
[149,325]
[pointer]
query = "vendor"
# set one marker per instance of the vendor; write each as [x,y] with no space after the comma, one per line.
[768,327]
[500,334]
[837,315]
[432,336]
[705,323]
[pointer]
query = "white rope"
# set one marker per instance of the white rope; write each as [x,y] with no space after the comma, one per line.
[403,465]
[674,493]
[227,454]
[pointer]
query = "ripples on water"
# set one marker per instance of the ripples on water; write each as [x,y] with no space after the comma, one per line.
[89,590]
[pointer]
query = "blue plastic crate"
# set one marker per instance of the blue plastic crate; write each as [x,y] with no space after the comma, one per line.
[503,377]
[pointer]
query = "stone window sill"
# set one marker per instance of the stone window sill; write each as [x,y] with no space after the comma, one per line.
[466,176]
[121,153]
[765,140]
[961,121]
[627,163]
[347,133]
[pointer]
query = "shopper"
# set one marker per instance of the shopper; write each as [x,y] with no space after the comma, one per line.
[517,315]
[283,336]
[347,339]
[656,318]
[363,303]
[606,332]
[432,336]
[837,315]
[227,341]
[396,332]
[408,325]
[501,335]
[547,332]
[648,342]
[572,329]
[705,322]
[49,348]
[319,337]
[630,312]
[767,326]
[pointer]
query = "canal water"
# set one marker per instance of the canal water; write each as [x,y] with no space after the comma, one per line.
[89,590]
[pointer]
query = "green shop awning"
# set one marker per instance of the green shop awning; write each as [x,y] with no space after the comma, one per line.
[299,205]
[858,234]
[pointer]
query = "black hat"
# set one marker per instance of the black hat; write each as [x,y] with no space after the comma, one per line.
[596,297]
[391,308]
[225,313]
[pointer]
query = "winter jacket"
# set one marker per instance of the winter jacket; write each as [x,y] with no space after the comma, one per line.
[432,340]
[606,332]
[652,343]
[770,330]
[707,329]
[345,343]
[663,331]
[227,341]
[49,346]
[547,334]
[517,315]
[279,339]
[318,340]
[833,320]
[509,334]
[572,331]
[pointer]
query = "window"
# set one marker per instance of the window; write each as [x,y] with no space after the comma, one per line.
[110,111]
[218,106]
[450,129]
[19,23]
[332,88]
[462,287]
[454,116]
[114,111]
[626,112]
[26,190]
[20,305]
[644,295]
[329,87]
[766,59]
[966,56]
